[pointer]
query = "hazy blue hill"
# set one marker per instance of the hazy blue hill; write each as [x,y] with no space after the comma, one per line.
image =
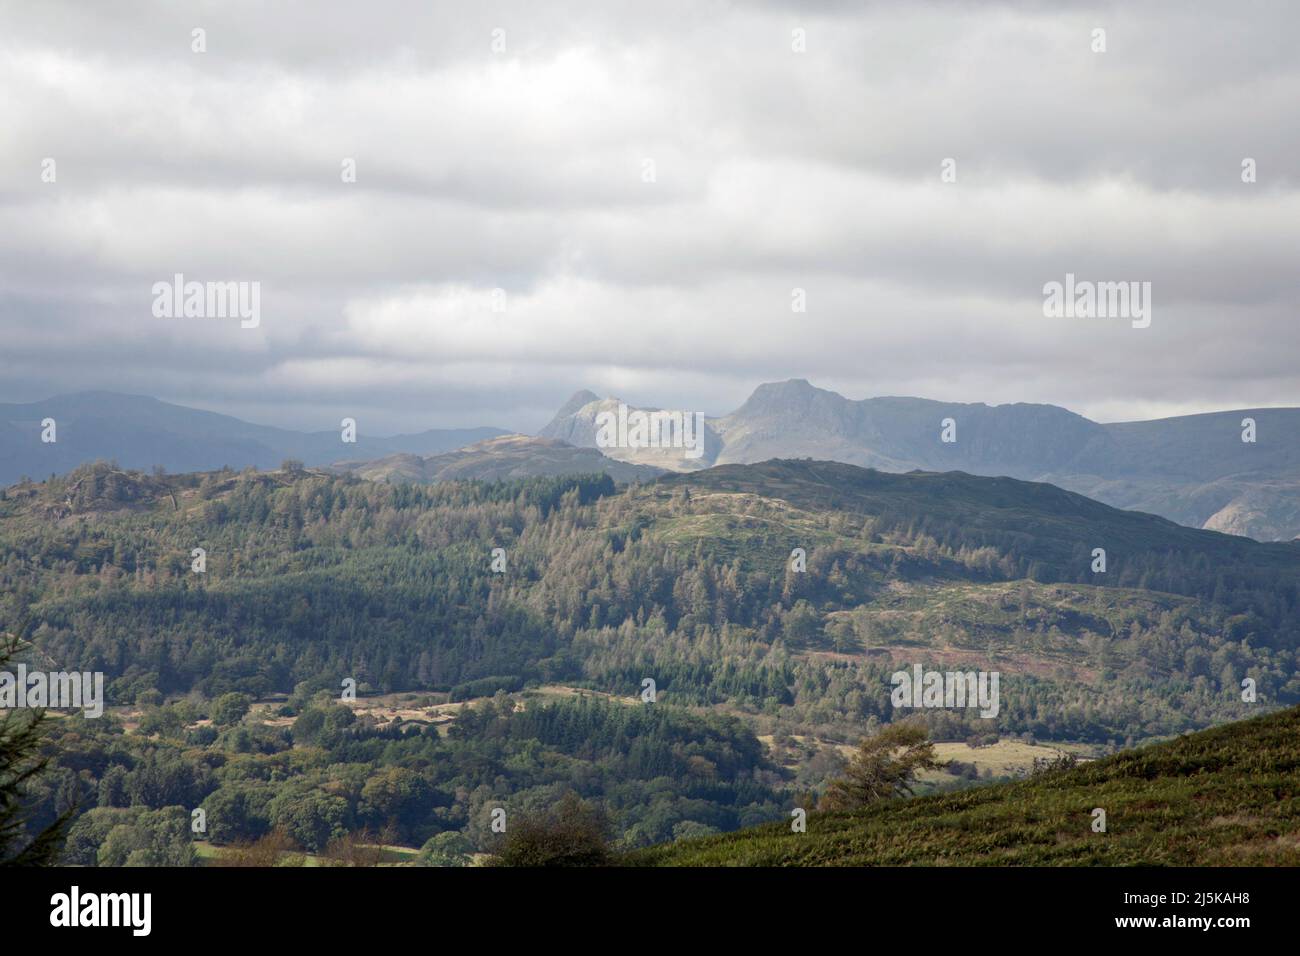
[1209,446]
[904,431]
[139,432]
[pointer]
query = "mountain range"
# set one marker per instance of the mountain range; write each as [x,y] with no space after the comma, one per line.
[1193,469]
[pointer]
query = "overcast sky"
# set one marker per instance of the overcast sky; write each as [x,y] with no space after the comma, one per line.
[524,169]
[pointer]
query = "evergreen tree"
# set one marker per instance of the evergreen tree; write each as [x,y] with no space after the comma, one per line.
[20,763]
[884,766]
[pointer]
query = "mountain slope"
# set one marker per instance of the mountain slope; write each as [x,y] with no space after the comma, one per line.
[1221,797]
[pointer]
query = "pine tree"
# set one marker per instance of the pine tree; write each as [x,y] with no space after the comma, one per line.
[885,766]
[20,762]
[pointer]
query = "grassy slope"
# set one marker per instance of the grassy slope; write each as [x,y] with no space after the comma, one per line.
[1221,797]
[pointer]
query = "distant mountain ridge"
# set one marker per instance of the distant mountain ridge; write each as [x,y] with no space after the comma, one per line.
[1192,469]
[140,432]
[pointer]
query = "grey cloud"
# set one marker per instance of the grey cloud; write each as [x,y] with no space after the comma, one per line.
[523,172]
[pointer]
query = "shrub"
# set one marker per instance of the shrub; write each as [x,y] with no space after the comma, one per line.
[573,834]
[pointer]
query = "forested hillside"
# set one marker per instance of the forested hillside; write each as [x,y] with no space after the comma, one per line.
[321,773]
[313,578]
[761,671]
